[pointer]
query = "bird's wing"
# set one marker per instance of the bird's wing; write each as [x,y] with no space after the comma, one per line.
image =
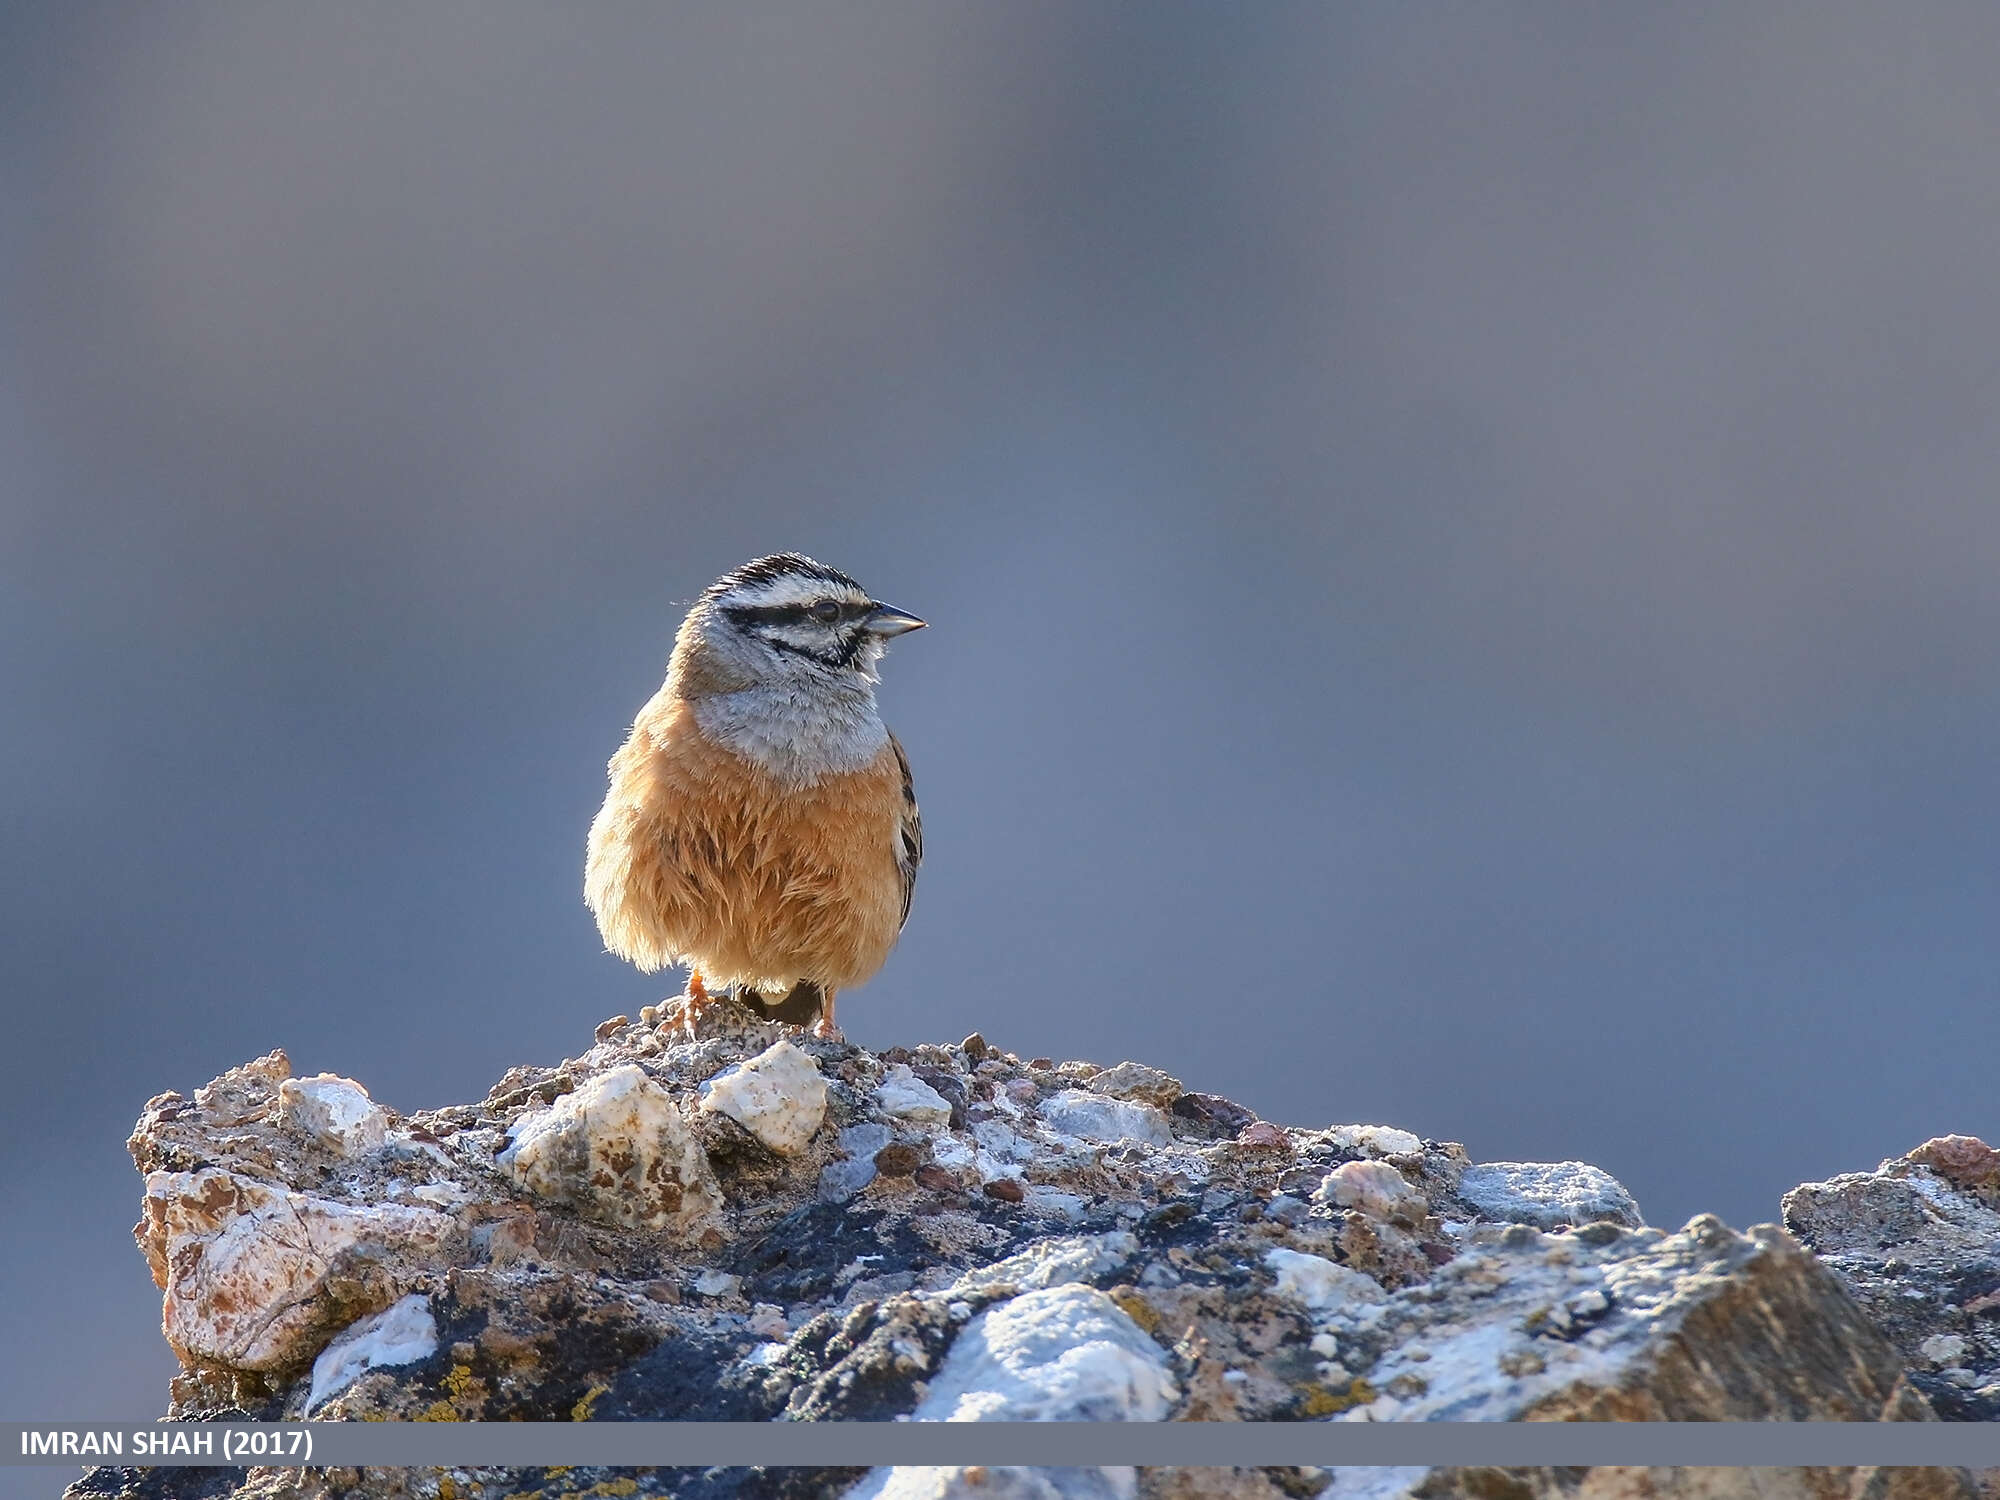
[911,853]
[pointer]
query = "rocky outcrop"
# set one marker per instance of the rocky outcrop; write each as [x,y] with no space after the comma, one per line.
[760,1226]
[1917,1243]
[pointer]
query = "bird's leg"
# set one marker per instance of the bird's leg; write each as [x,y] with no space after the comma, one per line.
[824,1026]
[696,1000]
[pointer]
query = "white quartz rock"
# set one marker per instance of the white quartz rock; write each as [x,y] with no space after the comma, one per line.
[1318,1282]
[908,1097]
[778,1096]
[401,1334]
[244,1263]
[1376,1189]
[1064,1353]
[1094,1117]
[619,1150]
[334,1111]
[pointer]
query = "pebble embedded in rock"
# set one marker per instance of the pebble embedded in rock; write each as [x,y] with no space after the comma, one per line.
[333,1111]
[1092,1117]
[1375,1140]
[1262,1135]
[898,1159]
[620,1151]
[1006,1189]
[1376,1189]
[714,1283]
[1131,1080]
[907,1097]
[401,1334]
[1061,1353]
[1318,1282]
[935,1179]
[778,1096]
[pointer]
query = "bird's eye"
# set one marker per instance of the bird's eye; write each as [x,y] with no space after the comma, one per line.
[826,612]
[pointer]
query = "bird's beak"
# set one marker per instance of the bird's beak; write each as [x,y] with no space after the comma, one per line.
[886,620]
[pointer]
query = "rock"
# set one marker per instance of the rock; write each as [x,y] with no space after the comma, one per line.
[619,1151]
[713,1283]
[1650,1484]
[898,1160]
[257,1275]
[997,1482]
[1092,1117]
[1548,1195]
[1318,1282]
[907,1097]
[1054,1262]
[1375,1140]
[1917,1242]
[1964,1161]
[401,1334]
[1063,1353]
[778,1096]
[1136,1081]
[1262,1135]
[335,1111]
[966,1238]
[1212,1114]
[1376,1189]
[1060,1354]
[1704,1325]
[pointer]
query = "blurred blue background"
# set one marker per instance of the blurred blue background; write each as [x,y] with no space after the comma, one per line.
[1461,543]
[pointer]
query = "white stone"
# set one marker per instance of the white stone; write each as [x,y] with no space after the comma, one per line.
[243,1263]
[907,1097]
[1942,1349]
[334,1111]
[778,1096]
[1083,1257]
[713,1283]
[996,1482]
[620,1151]
[1061,1354]
[1094,1117]
[401,1334]
[1375,1140]
[1318,1282]
[1374,1188]
[1548,1195]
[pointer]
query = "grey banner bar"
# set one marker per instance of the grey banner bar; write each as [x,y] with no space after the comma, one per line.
[1053,1444]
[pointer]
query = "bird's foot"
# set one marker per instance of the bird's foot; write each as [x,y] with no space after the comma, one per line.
[824,1028]
[693,1003]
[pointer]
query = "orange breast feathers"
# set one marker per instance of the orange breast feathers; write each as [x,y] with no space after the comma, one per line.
[701,857]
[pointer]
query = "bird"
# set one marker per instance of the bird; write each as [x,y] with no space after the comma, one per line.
[761,827]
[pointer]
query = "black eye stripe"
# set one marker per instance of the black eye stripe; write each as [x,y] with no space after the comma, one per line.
[788,614]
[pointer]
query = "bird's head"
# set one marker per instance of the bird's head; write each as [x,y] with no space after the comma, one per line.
[786,621]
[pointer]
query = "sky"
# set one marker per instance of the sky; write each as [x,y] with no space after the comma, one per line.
[1460,542]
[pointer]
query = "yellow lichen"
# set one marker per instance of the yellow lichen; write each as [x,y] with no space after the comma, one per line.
[438,1411]
[1324,1401]
[1137,1308]
[581,1411]
[446,1489]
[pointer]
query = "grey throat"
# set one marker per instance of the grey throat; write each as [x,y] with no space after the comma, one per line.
[800,737]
